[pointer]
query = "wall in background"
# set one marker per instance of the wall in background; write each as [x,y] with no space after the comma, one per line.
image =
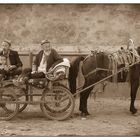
[70,27]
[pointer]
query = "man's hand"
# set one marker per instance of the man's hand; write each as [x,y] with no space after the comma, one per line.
[33,72]
[11,67]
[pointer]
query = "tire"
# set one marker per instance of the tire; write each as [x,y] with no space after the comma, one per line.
[19,93]
[8,107]
[58,103]
[62,109]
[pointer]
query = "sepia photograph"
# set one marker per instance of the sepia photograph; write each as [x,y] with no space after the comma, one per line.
[69,70]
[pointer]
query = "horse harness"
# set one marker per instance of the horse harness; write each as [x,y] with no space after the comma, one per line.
[116,59]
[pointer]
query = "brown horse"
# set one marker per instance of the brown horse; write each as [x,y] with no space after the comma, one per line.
[89,66]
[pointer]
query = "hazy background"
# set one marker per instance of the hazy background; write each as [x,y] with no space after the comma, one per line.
[70,27]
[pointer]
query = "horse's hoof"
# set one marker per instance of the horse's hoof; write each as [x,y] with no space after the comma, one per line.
[84,114]
[133,111]
[87,113]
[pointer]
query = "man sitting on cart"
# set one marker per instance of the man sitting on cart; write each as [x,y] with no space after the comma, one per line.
[46,59]
[10,63]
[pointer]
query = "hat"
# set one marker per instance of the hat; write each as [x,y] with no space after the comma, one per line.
[44,41]
[7,41]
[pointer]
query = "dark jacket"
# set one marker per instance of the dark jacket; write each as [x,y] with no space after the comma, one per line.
[53,59]
[14,58]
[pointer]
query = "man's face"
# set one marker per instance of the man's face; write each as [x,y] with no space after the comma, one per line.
[47,48]
[5,46]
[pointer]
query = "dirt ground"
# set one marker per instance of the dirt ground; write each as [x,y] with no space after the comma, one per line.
[109,117]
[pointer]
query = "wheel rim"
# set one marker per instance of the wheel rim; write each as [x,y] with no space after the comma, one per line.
[59,103]
[18,92]
[8,107]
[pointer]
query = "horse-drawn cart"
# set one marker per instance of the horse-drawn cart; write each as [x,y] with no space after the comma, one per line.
[55,99]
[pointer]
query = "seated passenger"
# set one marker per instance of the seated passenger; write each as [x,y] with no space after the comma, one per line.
[11,64]
[44,60]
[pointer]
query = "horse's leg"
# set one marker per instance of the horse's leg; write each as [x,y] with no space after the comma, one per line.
[83,99]
[73,73]
[134,87]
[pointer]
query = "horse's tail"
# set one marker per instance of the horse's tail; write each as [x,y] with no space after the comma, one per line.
[73,73]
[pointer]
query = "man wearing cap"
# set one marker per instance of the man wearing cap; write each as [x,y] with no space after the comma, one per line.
[45,60]
[12,59]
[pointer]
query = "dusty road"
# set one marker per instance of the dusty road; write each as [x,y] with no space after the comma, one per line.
[109,117]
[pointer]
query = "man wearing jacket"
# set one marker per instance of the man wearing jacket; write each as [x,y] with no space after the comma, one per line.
[13,61]
[44,60]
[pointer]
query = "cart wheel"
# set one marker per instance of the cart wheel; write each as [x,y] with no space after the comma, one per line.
[19,93]
[8,106]
[57,97]
[59,103]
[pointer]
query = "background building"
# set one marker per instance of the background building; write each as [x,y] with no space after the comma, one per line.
[70,27]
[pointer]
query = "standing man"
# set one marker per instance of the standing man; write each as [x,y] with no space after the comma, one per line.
[12,59]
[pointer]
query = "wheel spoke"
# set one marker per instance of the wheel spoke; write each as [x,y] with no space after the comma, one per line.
[18,92]
[61,104]
[9,107]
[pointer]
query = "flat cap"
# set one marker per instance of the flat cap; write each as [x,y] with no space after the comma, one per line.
[7,41]
[44,41]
